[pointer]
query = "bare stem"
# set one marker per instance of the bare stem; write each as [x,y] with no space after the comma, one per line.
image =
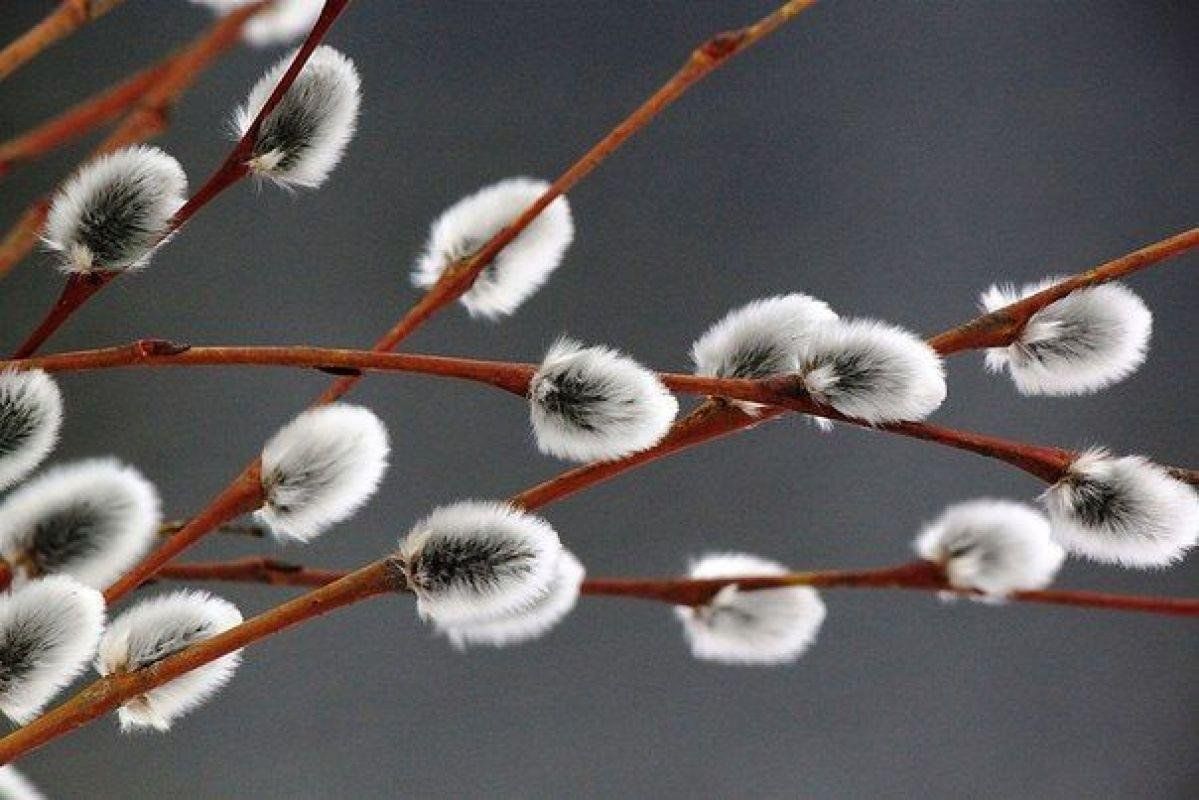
[243,495]
[920,575]
[78,120]
[146,120]
[108,693]
[68,17]
[141,125]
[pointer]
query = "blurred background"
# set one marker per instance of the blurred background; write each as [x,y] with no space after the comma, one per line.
[893,159]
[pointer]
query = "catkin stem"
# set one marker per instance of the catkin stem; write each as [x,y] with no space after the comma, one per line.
[919,576]
[107,693]
[147,119]
[140,126]
[66,18]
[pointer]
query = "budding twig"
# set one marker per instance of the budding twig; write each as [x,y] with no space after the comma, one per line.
[385,576]
[702,62]
[78,120]
[68,17]
[146,120]
[108,693]
[920,576]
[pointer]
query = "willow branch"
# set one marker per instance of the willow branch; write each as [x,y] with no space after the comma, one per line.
[920,576]
[106,694]
[458,278]
[68,17]
[146,120]
[727,419]
[82,118]
[239,494]
[1003,326]
[710,421]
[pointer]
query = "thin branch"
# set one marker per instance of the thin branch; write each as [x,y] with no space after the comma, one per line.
[68,17]
[386,576]
[1046,463]
[729,419]
[252,529]
[146,120]
[82,118]
[108,693]
[702,62]
[458,278]
[1002,327]
[920,575]
[243,495]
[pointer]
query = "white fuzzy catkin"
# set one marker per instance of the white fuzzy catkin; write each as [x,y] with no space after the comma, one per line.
[90,519]
[760,339]
[48,630]
[320,468]
[1124,510]
[113,212]
[1086,341]
[305,135]
[767,626]
[595,404]
[14,786]
[30,419]
[521,268]
[159,627]
[992,546]
[873,371]
[530,622]
[477,560]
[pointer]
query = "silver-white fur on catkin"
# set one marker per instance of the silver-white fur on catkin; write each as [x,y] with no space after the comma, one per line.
[530,622]
[1125,510]
[760,339]
[90,519]
[156,628]
[521,268]
[1086,341]
[595,404]
[477,560]
[320,468]
[30,419]
[873,371]
[992,546]
[15,786]
[768,626]
[305,135]
[113,212]
[48,631]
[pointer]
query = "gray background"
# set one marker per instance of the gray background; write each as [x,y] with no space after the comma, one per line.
[892,158]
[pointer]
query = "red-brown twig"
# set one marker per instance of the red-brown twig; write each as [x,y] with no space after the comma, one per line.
[78,120]
[108,693]
[702,62]
[146,120]
[711,420]
[987,330]
[921,576]
[68,17]
[81,288]
[386,576]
